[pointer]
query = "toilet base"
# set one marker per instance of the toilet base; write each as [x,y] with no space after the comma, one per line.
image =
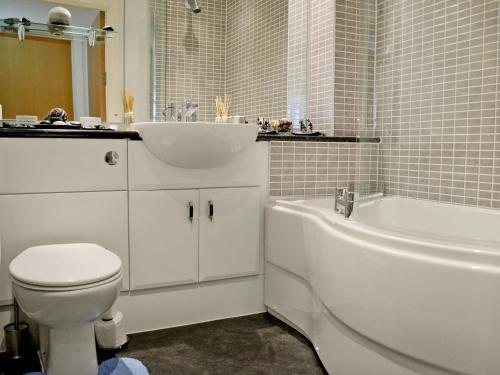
[72,351]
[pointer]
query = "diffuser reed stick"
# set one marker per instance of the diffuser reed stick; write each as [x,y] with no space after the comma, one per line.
[218,108]
[128,106]
[226,106]
[222,108]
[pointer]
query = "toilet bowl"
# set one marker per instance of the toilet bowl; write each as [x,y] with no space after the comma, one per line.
[65,288]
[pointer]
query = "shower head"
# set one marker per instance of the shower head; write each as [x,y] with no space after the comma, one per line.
[193,6]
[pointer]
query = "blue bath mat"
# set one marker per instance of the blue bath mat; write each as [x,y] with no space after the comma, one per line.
[122,366]
[117,366]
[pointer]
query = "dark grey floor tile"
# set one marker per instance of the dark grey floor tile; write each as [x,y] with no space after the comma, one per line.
[256,344]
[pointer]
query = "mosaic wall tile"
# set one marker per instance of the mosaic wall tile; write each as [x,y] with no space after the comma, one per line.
[232,47]
[314,169]
[437,90]
[256,57]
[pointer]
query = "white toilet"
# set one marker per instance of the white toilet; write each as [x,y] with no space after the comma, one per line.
[66,288]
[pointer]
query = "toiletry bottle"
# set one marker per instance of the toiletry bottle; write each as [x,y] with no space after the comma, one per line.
[303,127]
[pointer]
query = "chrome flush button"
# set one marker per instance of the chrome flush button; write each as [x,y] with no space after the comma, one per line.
[111,157]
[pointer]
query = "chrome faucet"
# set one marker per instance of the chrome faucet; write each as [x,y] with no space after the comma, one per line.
[170,112]
[344,201]
[189,112]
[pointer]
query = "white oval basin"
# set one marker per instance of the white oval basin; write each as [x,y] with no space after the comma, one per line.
[196,145]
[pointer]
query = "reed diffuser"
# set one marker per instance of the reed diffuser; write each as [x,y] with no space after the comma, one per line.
[222,108]
[128,106]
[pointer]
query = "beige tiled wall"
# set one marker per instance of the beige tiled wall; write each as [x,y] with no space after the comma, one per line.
[341,58]
[437,89]
[354,67]
[256,57]
[190,51]
[435,74]
[312,169]
[236,47]
[265,59]
[159,14]
[298,60]
[341,65]
[321,65]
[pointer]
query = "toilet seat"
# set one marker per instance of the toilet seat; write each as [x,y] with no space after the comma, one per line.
[65,267]
[54,289]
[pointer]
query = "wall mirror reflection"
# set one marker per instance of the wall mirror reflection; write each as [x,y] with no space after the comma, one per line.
[253,51]
[50,70]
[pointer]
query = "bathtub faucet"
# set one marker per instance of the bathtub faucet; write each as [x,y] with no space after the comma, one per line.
[344,201]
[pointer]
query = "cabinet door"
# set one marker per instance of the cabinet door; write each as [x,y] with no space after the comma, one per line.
[28,220]
[163,238]
[51,165]
[229,233]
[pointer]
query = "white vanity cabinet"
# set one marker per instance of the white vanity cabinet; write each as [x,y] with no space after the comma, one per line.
[59,190]
[185,236]
[229,233]
[222,242]
[163,238]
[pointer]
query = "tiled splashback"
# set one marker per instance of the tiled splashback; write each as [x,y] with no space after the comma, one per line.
[309,169]
[355,23]
[297,60]
[435,87]
[235,47]
[158,65]
[340,66]
[321,64]
[190,55]
[341,58]
[438,75]
[256,63]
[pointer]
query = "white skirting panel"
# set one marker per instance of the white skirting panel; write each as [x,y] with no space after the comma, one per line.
[154,309]
[169,307]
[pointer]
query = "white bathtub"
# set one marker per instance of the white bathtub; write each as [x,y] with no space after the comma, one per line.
[403,287]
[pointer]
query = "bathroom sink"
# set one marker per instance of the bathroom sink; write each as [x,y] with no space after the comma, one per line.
[196,145]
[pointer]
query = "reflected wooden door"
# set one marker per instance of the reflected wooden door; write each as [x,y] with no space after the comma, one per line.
[35,76]
[97,74]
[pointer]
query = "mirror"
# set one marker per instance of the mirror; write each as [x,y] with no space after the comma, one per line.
[41,73]
[254,51]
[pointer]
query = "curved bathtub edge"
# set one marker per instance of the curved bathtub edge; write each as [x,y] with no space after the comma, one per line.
[289,323]
[491,259]
[399,359]
[283,319]
[368,353]
[303,276]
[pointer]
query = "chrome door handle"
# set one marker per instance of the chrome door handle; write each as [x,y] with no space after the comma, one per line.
[211,210]
[191,211]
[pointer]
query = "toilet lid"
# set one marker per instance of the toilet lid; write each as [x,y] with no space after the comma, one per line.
[65,265]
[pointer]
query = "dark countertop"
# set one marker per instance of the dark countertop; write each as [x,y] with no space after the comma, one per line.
[134,136]
[62,133]
[312,138]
